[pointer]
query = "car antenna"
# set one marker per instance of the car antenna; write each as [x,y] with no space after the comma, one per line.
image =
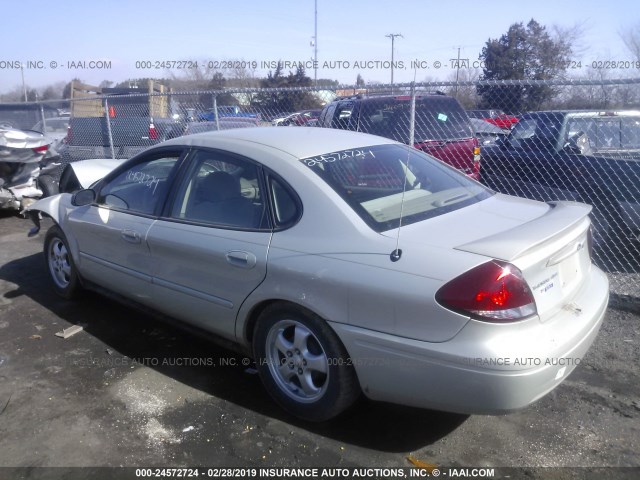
[397,253]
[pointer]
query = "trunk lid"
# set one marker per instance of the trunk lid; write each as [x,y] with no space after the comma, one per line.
[549,243]
[552,252]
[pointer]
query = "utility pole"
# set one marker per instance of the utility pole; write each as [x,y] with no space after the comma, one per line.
[24,87]
[315,45]
[393,36]
[457,71]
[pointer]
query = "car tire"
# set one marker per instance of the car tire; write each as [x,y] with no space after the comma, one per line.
[60,265]
[48,186]
[303,364]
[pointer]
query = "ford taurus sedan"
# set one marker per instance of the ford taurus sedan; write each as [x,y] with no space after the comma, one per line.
[345,264]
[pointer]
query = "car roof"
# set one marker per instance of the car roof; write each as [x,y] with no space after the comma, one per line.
[299,142]
[588,113]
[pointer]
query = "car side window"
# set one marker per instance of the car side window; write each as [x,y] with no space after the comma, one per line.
[140,188]
[524,131]
[222,190]
[342,115]
[327,116]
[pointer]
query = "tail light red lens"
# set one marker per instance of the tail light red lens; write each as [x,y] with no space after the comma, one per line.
[494,291]
[42,149]
[476,160]
[153,133]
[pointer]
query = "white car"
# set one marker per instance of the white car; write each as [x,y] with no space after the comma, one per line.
[344,263]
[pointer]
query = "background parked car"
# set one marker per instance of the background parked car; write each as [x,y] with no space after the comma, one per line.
[23,153]
[589,156]
[486,133]
[442,127]
[495,117]
[222,124]
[299,119]
[113,123]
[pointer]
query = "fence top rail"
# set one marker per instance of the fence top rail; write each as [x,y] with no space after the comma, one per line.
[395,89]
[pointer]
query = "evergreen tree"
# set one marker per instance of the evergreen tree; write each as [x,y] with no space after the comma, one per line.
[523,53]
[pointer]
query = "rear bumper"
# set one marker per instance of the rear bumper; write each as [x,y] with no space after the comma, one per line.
[486,368]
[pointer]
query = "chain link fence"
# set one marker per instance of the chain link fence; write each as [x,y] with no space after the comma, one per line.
[545,140]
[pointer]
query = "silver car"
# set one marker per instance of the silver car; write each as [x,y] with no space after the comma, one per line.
[343,263]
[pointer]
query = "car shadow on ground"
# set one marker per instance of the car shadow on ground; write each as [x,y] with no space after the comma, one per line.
[368,424]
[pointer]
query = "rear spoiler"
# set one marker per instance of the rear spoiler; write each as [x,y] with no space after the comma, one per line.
[561,218]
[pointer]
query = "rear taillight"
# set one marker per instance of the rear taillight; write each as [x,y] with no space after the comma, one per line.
[153,133]
[476,159]
[41,149]
[494,291]
[590,241]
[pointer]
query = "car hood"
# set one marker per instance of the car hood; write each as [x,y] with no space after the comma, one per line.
[500,227]
[90,171]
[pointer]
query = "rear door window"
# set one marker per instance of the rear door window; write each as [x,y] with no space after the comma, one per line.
[221,189]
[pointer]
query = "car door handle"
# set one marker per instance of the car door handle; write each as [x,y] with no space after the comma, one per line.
[131,236]
[241,259]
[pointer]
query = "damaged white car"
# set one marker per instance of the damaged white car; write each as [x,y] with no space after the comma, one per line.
[24,156]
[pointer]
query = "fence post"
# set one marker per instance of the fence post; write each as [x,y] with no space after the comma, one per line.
[215,110]
[44,121]
[412,116]
[108,119]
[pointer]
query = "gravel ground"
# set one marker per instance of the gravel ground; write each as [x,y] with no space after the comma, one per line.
[118,394]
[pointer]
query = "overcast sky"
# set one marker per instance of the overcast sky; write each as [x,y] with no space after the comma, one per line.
[61,39]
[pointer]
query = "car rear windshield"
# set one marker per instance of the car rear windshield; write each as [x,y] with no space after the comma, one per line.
[608,133]
[386,182]
[437,118]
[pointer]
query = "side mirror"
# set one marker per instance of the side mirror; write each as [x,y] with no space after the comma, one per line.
[83,197]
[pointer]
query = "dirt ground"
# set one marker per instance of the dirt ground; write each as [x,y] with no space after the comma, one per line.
[120,393]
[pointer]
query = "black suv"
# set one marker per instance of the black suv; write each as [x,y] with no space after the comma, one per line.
[442,127]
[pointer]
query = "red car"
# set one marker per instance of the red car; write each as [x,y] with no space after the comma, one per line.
[442,128]
[495,117]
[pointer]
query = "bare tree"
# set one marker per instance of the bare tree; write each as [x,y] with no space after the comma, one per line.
[14,95]
[631,38]
[467,95]
[572,37]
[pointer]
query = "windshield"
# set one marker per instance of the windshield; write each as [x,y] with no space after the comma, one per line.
[437,118]
[382,182]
